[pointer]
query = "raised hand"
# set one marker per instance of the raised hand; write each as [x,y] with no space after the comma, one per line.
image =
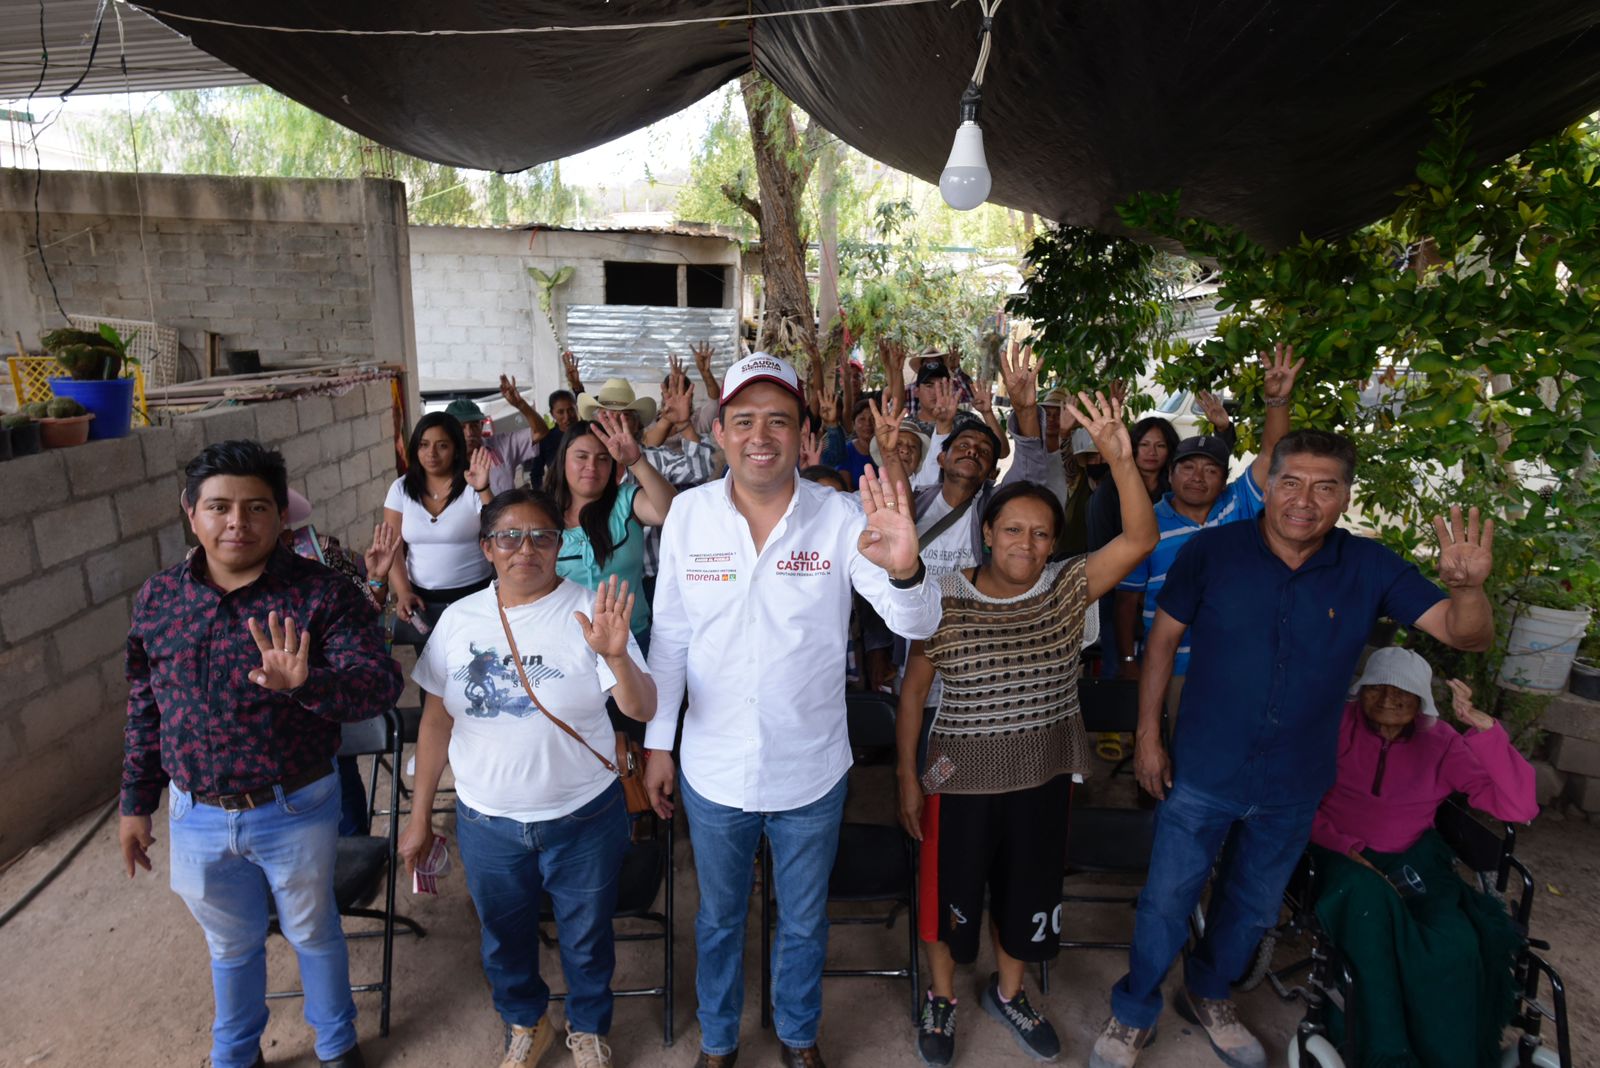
[508,390]
[886,424]
[478,467]
[285,654]
[827,399]
[1103,419]
[1215,413]
[890,537]
[380,557]
[569,363]
[1119,391]
[1281,369]
[942,408]
[1019,370]
[702,354]
[607,632]
[1464,557]
[810,448]
[1461,705]
[616,438]
[983,397]
[675,399]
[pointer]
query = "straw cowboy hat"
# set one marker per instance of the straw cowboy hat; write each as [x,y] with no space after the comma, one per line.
[616,396]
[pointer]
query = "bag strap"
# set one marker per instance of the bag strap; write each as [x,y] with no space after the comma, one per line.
[527,688]
[948,520]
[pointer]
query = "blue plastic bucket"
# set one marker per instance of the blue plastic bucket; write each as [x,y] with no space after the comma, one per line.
[111,401]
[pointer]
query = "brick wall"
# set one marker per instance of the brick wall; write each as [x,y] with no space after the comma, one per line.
[80,531]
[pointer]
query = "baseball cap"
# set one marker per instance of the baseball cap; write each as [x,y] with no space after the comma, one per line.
[465,411]
[1211,446]
[760,367]
[1083,441]
[931,369]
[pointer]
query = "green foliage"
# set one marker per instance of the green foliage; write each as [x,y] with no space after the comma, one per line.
[253,130]
[13,420]
[64,408]
[1100,308]
[724,159]
[1457,341]
[894,287]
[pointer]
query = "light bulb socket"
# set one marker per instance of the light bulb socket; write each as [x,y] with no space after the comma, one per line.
[971,101]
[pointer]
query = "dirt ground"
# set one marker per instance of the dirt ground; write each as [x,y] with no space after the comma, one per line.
[99,970]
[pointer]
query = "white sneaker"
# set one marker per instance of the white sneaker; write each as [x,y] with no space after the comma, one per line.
[588,1051]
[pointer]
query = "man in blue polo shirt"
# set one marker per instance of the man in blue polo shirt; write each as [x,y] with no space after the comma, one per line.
[1280,610]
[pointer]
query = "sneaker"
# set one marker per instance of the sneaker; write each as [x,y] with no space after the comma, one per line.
[1032,1031]
[1118,1045]
[936,1033]
[588,1051]
[1230,1039]
[525,1045]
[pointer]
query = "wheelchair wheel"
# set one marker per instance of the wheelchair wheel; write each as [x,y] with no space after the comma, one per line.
[1543,1057]
[1260,963]
[1319,1054]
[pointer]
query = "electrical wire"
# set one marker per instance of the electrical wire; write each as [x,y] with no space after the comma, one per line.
[985,37]
[506,31]
[133,141]
[38,166]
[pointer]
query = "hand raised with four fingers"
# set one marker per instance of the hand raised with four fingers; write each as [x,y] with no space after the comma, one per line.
[890,538]
[607,631]
[1215,413]
[1465,558]
[1461,705]
[702,354]
[285,654]
[1281,369]
[478,467]
[942,408]
[676,395]
[380,557]
[983,397]
[810,448]
[886,423]
[616,437]
[569,363]
[1103,419]
[1019,370]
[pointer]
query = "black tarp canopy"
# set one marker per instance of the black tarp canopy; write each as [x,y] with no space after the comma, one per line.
[1279,116]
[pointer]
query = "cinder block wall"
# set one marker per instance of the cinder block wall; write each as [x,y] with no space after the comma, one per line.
[80,531]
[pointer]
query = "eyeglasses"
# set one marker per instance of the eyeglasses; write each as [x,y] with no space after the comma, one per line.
[510,541]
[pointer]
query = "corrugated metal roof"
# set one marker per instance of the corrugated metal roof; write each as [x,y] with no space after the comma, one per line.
[683,229]
[632,341]
[158,58]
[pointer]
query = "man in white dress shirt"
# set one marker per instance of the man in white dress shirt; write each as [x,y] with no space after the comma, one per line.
[751,614]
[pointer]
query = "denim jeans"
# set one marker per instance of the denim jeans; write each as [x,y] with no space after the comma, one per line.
[1191,828]
[804,841]
[224,866]
[575,859]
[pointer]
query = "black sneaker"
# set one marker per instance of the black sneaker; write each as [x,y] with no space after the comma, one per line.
[1032,1031]
[936,1033]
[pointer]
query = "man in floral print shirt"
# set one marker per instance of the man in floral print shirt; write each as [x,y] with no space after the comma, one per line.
[242,662]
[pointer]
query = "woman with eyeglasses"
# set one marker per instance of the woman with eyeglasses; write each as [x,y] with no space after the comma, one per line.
[536,808]
[603,521]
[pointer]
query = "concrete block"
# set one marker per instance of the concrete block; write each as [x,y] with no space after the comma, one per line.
[171,291]
[66,533]
[315,412]
[322,484]
[1583,793]
[121,569]
[339,513]
[16,552]
[301,453]
[226,424]
[160,452]
[55,713]
[189,438]
[1573,717]
[38,605]
[26,670]
[277,421]
[171,543]
[33,482]
[355,470]
[150,505]
[114,679]
[102,466]
[337,441]
[350,405]
[92,637]
[227,294]
[1548,782]
[1576,756]
[309,308]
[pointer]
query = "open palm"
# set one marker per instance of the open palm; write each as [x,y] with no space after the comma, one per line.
[890,537]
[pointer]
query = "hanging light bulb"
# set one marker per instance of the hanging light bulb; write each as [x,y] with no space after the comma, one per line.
[964,183]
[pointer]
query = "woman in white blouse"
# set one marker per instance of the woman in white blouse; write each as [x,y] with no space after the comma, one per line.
[434,508]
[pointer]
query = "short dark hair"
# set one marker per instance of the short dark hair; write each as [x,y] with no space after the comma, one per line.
[824,473]
[561,394]
[1031,490]
[1315,443]
[510,499]
[862,404]
[241,458]
[415,482]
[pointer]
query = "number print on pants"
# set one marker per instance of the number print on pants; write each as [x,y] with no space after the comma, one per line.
[1054,920]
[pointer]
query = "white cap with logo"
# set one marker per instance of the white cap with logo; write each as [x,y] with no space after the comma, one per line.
[760,367]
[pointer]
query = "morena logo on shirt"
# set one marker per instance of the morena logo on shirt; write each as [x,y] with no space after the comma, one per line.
[801,562]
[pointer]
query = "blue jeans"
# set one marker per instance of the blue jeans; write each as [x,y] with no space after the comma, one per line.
[1191,828]
[575,859]
[224,866]
[804,841]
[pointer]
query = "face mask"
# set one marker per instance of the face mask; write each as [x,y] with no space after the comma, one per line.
[1097,471]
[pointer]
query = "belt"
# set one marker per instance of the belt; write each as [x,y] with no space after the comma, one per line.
[255,798]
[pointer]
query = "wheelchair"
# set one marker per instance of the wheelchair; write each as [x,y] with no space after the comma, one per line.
[1328,980]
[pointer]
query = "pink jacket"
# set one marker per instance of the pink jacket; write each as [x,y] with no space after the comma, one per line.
[1386,793]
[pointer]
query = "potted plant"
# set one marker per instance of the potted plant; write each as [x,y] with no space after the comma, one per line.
[1585,680]
[66,423]
[95,361]
[23,432]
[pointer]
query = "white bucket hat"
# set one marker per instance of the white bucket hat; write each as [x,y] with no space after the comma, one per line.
[1402,669]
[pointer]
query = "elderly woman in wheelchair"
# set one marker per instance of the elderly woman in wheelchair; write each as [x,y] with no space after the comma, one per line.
[1431,956]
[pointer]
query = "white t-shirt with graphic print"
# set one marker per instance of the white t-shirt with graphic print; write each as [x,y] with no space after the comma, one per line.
[509,760]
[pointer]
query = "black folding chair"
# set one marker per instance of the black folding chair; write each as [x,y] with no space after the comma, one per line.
[876,863]
[410,724]
[365,864]
[646,869]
